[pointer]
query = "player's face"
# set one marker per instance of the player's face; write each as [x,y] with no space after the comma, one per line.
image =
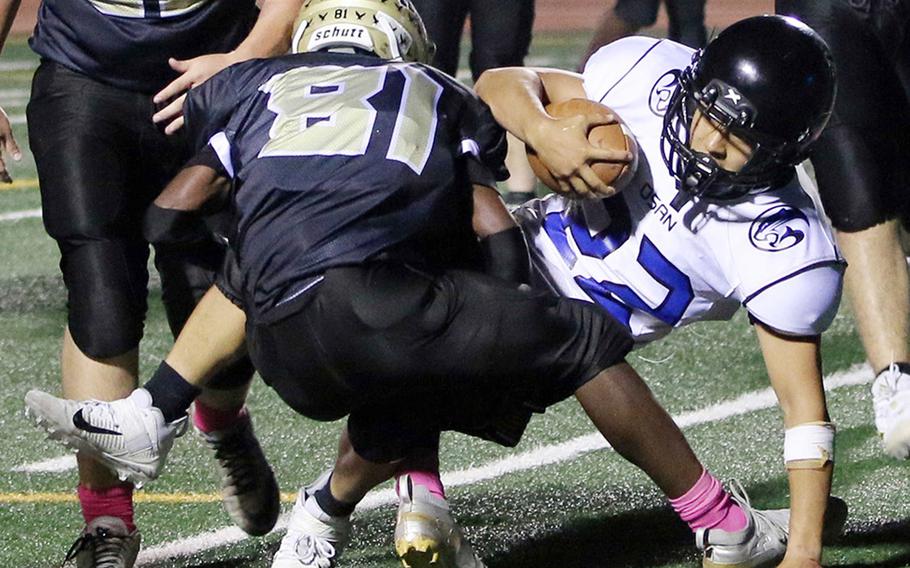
[728,150]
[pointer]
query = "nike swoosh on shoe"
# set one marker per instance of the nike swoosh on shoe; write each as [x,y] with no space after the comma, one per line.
[80,423]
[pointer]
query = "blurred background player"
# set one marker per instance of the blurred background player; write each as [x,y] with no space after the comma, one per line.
[8,144]
[686,19]
[864,181]
[385,329]
[101,161]
[500,37]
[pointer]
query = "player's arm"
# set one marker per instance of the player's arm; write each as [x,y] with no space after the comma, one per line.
[270,36]
[8,9]
[794,367]
[517,97]
[505,251]
[176,215]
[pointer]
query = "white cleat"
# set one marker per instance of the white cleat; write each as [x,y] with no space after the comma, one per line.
[314,538]
[891,400]
[129,435]
[249,490]
[105,543]
[426,536]
[763,542]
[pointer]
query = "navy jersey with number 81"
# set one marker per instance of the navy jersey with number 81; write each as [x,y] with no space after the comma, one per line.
[338,157]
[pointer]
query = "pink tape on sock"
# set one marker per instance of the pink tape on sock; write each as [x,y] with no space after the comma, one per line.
[428,479]
[114,501]
[707,505]
[208,419]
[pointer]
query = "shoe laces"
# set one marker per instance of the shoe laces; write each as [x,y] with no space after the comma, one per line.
[315,551]
[234,454]
[105,546]
[892,378]
[764,525]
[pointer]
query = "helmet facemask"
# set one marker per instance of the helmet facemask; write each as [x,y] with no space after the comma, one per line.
[697,173]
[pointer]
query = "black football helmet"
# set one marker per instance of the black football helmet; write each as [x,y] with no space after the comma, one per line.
[770,80]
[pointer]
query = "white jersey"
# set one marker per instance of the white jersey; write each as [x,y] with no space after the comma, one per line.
[653,267]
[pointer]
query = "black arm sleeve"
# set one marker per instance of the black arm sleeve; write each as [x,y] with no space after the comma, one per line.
[505,256]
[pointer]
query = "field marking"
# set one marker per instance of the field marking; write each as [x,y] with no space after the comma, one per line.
[6,94]
[18,66]
[18,215]
[53,465]
[138,497]
[19,184]
[544,455]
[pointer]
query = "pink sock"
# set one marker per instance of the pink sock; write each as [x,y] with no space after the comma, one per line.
[208,419]
[428,479]
[114,501]
[707,505]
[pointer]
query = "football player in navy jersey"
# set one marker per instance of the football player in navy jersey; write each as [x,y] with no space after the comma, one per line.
[101,161]
[365,211]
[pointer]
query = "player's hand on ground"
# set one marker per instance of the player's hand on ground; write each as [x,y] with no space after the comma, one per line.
[8,146]
[193,72]
[563,147]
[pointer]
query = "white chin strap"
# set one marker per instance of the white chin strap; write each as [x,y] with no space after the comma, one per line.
[809,446]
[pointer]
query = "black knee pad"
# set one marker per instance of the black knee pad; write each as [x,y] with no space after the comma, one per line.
[106,286]
[235,375]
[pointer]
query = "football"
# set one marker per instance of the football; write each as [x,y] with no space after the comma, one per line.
[615,136]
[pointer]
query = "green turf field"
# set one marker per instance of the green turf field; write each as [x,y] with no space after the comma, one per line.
[556,501]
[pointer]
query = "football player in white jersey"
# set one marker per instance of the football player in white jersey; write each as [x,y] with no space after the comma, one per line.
[715,216]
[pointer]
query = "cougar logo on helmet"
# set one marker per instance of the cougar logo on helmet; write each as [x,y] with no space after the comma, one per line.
[391,29]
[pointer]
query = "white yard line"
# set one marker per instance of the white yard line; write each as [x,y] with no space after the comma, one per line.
[54,465]
[566,451]
[17,119]
[17,215]
[13,94]
[18,66]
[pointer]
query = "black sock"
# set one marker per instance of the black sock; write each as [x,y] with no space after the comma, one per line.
[329,504]
[171,394]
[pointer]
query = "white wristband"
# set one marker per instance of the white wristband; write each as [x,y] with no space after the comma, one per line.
[809,446]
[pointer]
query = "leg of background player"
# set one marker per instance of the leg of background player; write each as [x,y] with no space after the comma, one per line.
[103,497]
[881,305]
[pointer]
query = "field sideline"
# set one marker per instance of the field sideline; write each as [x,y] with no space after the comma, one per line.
[560,499]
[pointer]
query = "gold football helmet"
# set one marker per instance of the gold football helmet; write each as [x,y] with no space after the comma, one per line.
[391,29]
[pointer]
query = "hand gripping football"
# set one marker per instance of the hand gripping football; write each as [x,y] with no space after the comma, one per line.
[615,136]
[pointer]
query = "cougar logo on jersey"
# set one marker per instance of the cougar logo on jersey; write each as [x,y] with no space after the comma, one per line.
[779,228]
[659,100]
